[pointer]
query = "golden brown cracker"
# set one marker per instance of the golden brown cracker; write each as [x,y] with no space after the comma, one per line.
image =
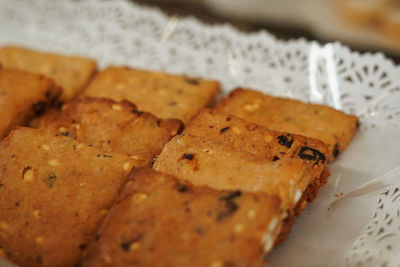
[22,96]
[71,73]
[54,192]
[112,126]
[164,95]
[333,127]
[159,221]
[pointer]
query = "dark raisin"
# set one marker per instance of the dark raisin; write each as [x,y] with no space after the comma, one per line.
[51,179]
[192,81]
[231,196]
[309,153]
[107,156]
[181,187]
[125,245]
[358,124]
[187,156]
[158,123]
[286,141]
[17,204]
[200,230]
[230,206]
[336,151]
[1,185]
[135,111]
[48,94]
[96,237]
[82,247]
[38,107]
[224,129]
[275,158]
[211,126]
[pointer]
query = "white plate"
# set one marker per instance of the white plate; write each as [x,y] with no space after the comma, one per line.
[357,230]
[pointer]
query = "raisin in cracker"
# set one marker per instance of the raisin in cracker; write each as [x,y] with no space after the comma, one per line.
[333,127]
[160,221]
[71,73]
[112,126]
[54,192]
[164,95]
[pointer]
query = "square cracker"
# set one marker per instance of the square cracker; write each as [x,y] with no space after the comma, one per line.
[159,221]
[22,96]
[71,73]
[164,95]
[203,162]
[54,192]
[112,126]
[333,127]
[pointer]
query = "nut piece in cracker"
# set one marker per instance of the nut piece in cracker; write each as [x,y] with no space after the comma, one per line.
[160,221]
[164,95]
[54,192]
[112,126]
[71,73]
[22,96]
[333,127]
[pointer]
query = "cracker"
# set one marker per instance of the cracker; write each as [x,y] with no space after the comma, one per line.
[22,96]
[333,127]
[203,162]
[164,95]
[159,221]
[71,73]
[54,192]
[112,126]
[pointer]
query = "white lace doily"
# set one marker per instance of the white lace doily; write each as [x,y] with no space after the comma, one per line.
[122,33]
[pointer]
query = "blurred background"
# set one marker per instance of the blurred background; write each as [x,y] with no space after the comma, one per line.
[364,25]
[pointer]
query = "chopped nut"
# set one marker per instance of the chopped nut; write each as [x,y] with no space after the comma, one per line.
[267,137]
[251,214]
[45,147]
[54,162]
[134,246]
[139,197]
[272,225]
[268,242]
[127,166]
[80,145]
[236,130]
[216,264]
[251,107]
[134,157]
[36,213]
[298,195]
[116,107]
[27,174]
[62,129]
[238,228]
[39,240]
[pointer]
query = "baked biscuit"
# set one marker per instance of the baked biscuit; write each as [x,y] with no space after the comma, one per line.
[71,73]
[22,96]
[164,95]
[159,221]
[113,127]
[333,127]
[203,162]
[54,192]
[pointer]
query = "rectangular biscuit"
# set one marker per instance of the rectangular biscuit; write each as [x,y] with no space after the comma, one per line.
[71,73]
[203,162]
[22,96]
[113,127]
[159,221]
[164,95]
[54,192]
[333,127]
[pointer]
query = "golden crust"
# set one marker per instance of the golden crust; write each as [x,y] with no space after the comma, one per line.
[159,221]
[164,95]
[22,96]
[54,192]
[333,127]
[71,73]
[112,126]
[203,162]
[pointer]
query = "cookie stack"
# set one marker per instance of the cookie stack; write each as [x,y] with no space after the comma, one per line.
[129,167]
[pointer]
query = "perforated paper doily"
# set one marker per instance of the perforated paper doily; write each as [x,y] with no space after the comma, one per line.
[361,231]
